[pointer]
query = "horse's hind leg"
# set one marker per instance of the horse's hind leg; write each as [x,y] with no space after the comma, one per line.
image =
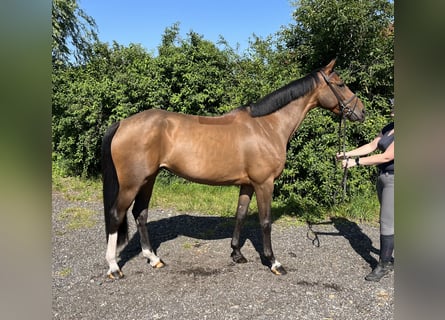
[140,213]
[119,232]
[245,196]
[114,272]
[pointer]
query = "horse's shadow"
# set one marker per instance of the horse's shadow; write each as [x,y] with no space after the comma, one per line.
[359,241]
[197,227]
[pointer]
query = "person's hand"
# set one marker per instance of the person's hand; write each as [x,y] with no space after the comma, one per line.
[340,156]
[348,163]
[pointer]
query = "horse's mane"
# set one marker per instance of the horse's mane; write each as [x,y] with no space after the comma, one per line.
[281,97]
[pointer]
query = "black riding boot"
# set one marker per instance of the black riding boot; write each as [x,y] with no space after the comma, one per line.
[382,269]
[385,265]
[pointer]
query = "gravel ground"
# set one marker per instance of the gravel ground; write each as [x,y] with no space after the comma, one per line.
[325,278]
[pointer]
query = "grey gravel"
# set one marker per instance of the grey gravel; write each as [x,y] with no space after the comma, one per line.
[325,279]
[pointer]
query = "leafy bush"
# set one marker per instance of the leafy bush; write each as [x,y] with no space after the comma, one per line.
[87,99]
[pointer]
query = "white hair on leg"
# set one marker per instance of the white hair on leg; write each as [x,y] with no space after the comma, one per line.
[155,261]
[111,256]
[276,267]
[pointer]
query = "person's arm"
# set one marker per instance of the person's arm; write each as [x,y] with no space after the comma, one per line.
[386,156]
[362,150]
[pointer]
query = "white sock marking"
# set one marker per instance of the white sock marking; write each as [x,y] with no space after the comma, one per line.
[154,259]
[276,265]
[111,253]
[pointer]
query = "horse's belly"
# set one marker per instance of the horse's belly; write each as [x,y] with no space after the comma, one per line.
[213,169]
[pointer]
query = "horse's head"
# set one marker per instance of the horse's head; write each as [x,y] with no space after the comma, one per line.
[335,95]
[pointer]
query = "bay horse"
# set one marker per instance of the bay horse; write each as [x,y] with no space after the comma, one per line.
[244,147]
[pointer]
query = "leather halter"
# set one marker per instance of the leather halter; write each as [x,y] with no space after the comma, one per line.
[345,110]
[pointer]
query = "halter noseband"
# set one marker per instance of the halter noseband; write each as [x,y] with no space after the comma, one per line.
[344,109]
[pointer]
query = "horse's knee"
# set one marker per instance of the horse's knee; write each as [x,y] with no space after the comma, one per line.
[266,225]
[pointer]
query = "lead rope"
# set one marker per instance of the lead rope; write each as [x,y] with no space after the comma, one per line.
[311,234]
[342,145]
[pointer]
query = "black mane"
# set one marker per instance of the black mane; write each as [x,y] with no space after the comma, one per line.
[281,97]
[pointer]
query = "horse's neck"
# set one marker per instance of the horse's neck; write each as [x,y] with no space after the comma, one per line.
[291,116]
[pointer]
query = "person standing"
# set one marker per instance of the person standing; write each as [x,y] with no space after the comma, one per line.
[385,190]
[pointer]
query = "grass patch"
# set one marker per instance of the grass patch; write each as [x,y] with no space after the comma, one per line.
[194,197]
[364,208]
[78,189]
[78,218]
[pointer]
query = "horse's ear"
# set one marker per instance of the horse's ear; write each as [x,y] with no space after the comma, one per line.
[328,69]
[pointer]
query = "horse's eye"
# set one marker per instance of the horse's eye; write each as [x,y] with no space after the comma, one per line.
[341,84]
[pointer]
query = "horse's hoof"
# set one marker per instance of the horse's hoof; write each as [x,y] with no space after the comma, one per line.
[159,264]
[115,275]
[279,270]
[238,258]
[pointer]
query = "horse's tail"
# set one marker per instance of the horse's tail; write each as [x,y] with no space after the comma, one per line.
[111,189]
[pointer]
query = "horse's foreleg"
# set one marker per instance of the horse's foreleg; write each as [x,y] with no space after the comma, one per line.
[245,196]
[140,213]
[264,200]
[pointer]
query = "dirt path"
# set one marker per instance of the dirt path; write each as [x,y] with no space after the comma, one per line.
[200,281]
